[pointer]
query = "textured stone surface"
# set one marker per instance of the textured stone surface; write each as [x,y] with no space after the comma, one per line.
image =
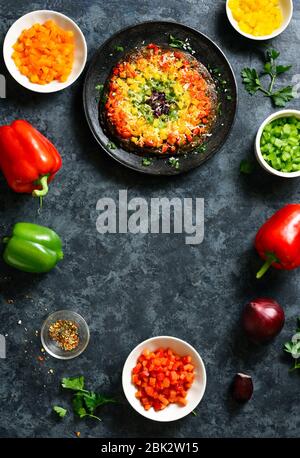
[131,287]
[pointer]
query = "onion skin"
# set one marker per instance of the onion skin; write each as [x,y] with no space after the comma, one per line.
[262,319]
[242,388]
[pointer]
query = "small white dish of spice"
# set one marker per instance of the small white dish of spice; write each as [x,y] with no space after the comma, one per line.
[65,334]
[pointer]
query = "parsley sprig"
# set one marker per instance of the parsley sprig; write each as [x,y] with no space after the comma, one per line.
[176,43]
[293,348]
[252,80]
[84,402]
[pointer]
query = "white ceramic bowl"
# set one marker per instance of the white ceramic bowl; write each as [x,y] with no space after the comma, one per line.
[40,16]
[258,153]
[195,393]
[287,11]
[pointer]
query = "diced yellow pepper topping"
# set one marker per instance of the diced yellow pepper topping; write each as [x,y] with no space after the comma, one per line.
[257,18]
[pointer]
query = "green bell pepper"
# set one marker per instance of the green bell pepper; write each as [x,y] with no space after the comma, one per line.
[32,248]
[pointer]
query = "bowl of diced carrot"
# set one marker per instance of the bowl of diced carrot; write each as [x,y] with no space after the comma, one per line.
[164,378]
[45,51]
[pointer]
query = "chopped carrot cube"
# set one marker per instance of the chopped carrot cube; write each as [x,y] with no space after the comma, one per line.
[45,53]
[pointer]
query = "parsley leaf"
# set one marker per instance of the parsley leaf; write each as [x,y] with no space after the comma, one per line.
[175,42]
[288,347]
[251,80]
[282,69]
[253,84]
[79,408]
[281,97]
[272,54]
[74,383]
[293,347]
[119,48]
[94,400]
[61,412]
[246,166]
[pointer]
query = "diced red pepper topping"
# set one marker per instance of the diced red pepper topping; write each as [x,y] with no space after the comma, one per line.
[162,377]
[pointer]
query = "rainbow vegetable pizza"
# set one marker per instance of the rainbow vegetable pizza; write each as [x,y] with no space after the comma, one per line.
[160,100]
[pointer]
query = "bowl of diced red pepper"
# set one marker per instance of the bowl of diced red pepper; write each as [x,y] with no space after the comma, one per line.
[164,378]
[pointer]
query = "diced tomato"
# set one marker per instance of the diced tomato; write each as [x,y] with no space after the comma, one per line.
[125,134]
[178,55]
[154,47]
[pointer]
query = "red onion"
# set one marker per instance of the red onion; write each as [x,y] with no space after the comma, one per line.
[262,319]
[242,387]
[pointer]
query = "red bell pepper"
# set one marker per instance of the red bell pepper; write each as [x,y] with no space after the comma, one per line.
[28,160]
[278,240]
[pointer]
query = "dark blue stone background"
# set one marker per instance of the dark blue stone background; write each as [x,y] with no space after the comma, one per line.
[131,287]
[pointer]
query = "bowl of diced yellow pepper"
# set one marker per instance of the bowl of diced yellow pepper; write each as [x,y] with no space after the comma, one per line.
[259,19]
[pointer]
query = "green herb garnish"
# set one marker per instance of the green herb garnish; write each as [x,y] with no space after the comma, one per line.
[111,145]
[220,81]
[246,166]
[61,412]
[75,383]
[119,48]
[293,348]
[100,89]
[174,162]
[176,43]
[147,161]
[84,402]
[201,149]
[252,80]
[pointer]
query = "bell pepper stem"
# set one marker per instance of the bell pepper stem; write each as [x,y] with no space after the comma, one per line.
[44,183]
[270,258]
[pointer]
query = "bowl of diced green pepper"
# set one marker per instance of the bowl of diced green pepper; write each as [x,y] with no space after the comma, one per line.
[277,145]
